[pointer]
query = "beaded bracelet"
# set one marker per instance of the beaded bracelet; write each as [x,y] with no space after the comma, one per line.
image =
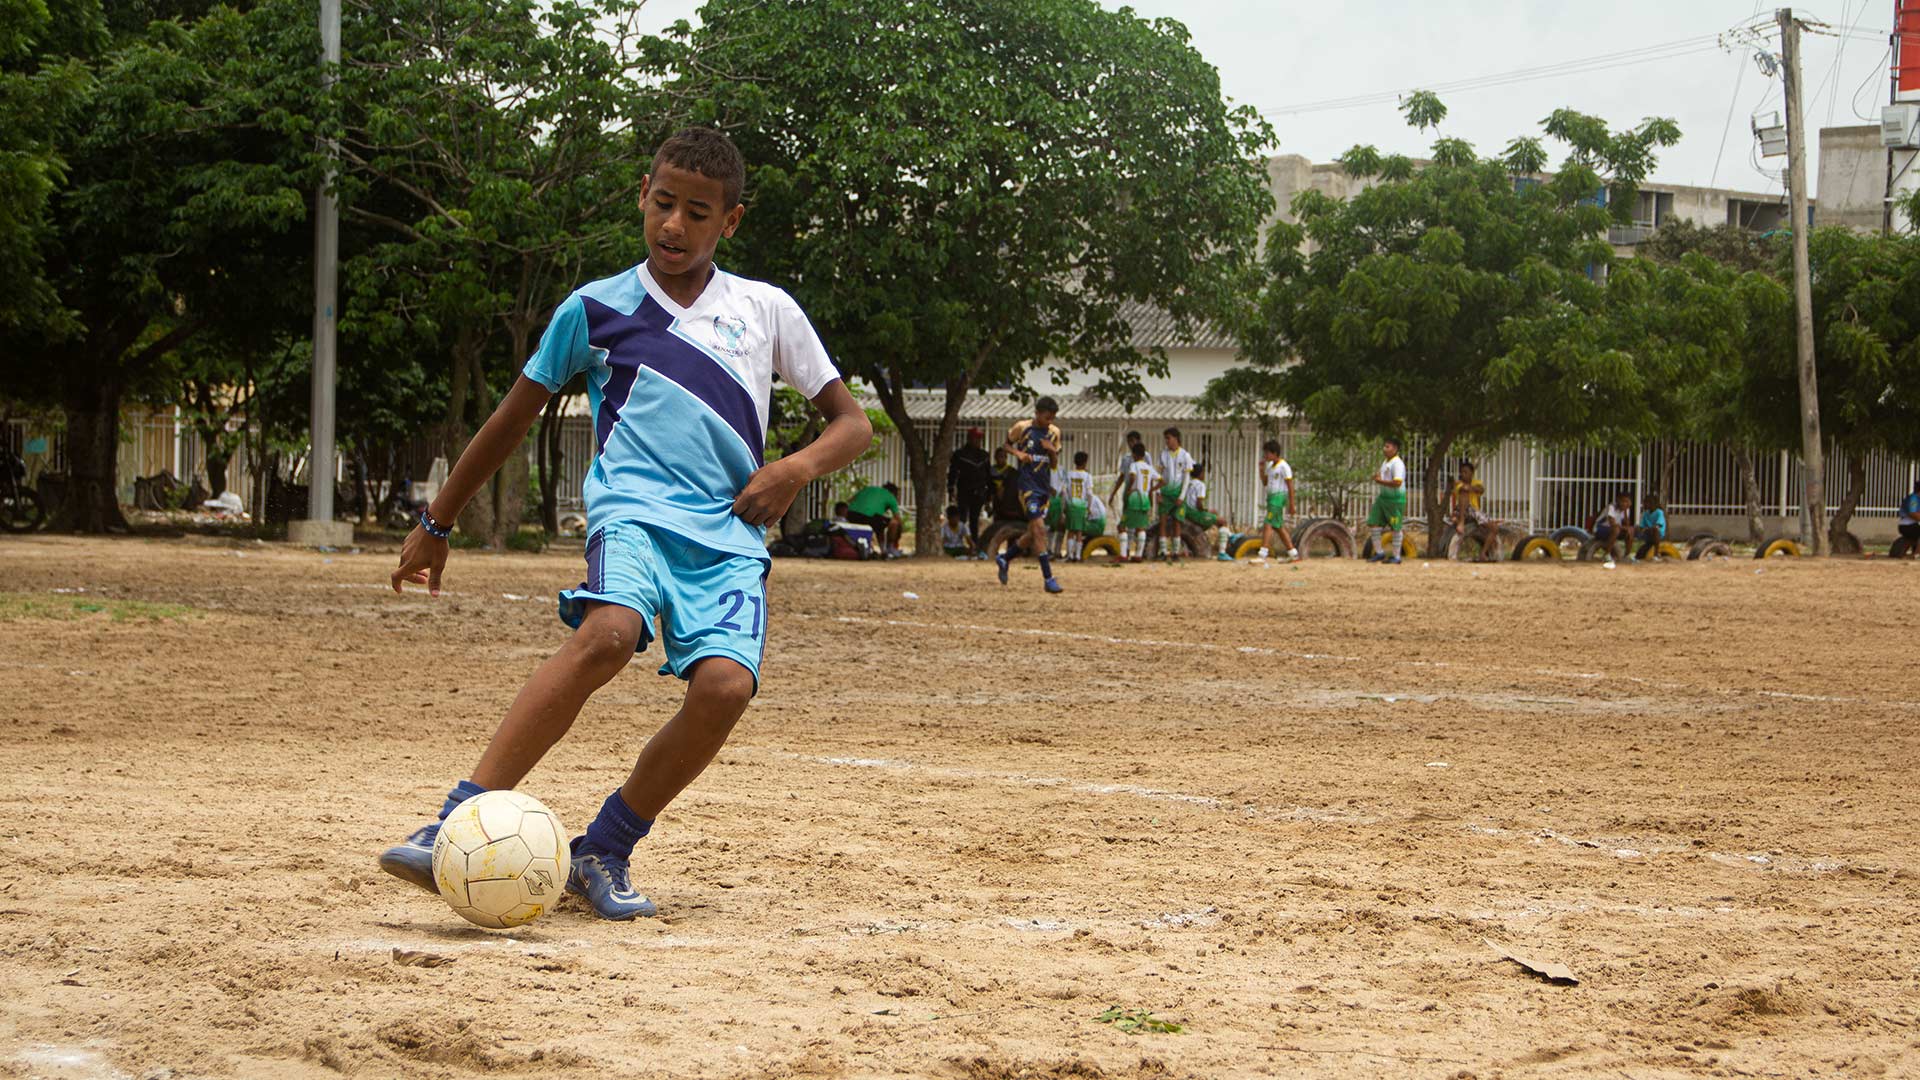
[433,527]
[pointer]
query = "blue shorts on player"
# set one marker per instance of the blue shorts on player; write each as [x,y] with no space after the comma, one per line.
[710,603]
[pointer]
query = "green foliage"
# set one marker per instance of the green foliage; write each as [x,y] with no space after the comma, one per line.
[1447,301]
[1334,470]
[1866,305]
[963,195]
[1138,1022]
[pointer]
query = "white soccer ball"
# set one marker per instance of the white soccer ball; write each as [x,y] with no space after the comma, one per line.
[501,859]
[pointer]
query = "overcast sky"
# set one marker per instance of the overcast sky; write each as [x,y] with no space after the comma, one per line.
[1281,54]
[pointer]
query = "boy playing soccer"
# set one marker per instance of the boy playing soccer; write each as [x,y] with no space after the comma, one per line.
[1174,466]
[680,358]
[1035,444]
[1390,505]
[1079,496]
[1277,476]
[1137,512]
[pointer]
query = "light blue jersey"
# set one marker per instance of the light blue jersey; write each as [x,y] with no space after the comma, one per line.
[679,399]
[679,396]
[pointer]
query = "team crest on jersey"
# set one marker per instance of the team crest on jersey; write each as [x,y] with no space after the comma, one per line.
[731,332]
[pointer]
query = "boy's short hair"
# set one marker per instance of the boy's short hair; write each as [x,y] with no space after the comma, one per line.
[1139,451]
[953,510]
[1134,437]
[1651,502]
[1199,469]
[1173,431]
[707,152]
[1623,494]
[1080,460]
[1393,442]
[891,488]
[840,509]
[1271,446]
[1467,464]
[1046,404]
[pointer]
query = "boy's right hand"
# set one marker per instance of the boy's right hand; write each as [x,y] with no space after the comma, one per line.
[422,557]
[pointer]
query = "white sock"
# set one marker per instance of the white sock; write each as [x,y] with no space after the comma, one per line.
[1126,544]
[1265,553]
[1224,540]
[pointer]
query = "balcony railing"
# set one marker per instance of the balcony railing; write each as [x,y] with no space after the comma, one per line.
[1630,234]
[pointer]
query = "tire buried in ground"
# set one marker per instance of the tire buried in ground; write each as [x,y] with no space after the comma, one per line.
[1711,549]
[1538,549]
[1324,538]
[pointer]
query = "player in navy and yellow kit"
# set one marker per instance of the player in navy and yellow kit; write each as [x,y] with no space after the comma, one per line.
[1035,446]
[679,358]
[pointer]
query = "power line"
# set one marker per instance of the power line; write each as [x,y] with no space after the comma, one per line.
[1645,54]
[1732,103]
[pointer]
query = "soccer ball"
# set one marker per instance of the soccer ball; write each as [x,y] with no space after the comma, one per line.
[501,859]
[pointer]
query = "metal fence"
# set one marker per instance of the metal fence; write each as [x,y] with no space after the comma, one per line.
[1537,487]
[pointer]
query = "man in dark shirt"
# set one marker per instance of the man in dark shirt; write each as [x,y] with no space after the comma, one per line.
[970,480]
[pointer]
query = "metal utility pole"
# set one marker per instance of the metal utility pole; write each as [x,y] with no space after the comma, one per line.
[320,527]
[1812,456]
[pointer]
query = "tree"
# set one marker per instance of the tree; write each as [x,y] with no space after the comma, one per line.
[1441,299]
[962,195]
[173,210]
[491,163]
[1866,307]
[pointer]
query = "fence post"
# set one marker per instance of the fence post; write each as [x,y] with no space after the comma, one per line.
[1639,476]
[1533,488]
[1784,465]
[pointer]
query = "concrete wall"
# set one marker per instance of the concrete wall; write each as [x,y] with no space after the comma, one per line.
[1853,178]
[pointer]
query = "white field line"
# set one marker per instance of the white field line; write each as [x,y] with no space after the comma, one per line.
[1261,650]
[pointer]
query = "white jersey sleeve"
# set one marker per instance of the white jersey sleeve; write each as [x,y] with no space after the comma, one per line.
[798,354]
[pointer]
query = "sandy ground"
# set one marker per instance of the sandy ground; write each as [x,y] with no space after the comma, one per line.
[1287,809]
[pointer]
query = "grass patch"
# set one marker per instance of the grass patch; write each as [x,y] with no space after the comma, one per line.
[67,608]
[1139,1022]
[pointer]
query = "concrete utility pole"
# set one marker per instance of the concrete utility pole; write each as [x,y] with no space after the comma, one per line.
[1812,456]
[320,529]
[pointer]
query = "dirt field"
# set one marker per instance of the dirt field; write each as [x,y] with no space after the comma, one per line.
[1286,809]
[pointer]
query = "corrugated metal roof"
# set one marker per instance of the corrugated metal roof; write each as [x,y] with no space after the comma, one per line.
[997,405]
[1154,328]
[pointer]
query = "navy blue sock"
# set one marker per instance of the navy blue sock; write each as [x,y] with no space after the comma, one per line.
[617,828]
[1046,564]
[462,791]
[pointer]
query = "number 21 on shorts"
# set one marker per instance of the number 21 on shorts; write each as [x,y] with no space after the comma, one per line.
[735,601]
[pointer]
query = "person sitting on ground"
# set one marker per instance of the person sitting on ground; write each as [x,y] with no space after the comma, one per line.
[840,513]
[1193,508]
[1615,524]
[1653,528]
[1910,520]
[878,508]
[1469,520]
[1096,522]
[955,540]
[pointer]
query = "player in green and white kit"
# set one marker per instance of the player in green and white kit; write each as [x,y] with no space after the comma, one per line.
[1277,477]
[1389,511]
[1077,489]
[1137,513]
[1174,465]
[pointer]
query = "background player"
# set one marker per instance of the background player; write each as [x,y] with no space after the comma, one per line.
[1035,445]
[1137,512]
[1277,477]
[1389,511]
[1078,491]
[679,358]
[1193,509]
[1174,465]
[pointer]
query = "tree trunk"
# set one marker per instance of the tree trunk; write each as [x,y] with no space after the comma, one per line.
[1669,460]
[1750,489]
[550,424]
[217,463]
[794,521]
[1843,514]
[92,503]
[1436,506]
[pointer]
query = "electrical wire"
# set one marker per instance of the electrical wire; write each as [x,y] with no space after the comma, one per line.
[1732,102]
[1606,62]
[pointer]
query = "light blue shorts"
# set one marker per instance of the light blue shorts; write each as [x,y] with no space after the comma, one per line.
[709,603]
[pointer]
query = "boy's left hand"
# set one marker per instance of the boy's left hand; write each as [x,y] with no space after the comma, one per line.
[769,492]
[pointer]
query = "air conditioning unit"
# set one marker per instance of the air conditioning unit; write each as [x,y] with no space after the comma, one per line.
[1900,126]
